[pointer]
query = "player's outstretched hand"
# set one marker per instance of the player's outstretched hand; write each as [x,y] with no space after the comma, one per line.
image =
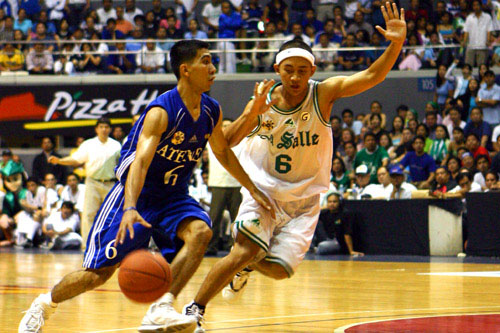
[129,218]
[394,22]
[263,200]
[260,91]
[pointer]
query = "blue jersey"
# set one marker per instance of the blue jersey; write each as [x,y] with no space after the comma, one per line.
[180,147]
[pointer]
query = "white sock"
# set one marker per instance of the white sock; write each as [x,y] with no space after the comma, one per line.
[168,298]
[48,298]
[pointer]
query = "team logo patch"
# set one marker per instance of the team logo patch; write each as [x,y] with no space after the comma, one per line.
[305,116]
[290,123]
[178,138]
[268,125]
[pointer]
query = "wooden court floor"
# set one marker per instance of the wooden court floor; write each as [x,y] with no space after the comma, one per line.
[322,296]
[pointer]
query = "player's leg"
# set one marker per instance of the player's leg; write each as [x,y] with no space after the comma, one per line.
[100,261]
[183,219]
[290,242]
[78,282]
[196,235]
[71,285]
[243,253]
[272,270]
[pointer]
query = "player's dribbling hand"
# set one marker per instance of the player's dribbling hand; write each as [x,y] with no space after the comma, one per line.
[129,218]
[263,200]
[260,91]
[394,22]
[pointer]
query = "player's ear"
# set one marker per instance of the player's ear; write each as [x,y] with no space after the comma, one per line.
[184,70]
[276,69]
[313,70]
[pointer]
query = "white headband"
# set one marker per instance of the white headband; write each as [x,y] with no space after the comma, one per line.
[295,52]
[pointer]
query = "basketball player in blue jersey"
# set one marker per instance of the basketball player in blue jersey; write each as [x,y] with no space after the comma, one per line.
[151,198]
[288,152]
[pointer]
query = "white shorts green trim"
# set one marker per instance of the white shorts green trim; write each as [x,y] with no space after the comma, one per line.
[281,262]
[240,226]
[285,239]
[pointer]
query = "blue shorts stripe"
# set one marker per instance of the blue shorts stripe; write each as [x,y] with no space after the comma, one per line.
[91,242]
[103,223]
[99,222]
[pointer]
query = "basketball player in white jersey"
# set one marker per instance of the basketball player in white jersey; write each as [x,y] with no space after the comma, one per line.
[288,156]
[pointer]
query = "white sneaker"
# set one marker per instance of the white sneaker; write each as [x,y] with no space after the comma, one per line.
[232,292]
[35,317]
[194,311]
[162,317]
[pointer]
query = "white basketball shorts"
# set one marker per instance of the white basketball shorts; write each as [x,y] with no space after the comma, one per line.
[285,239]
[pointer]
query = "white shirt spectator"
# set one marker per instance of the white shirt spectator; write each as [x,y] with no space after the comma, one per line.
[491,114]
[129,16]
[404,191]
[59,225]
[327,56]
[100,158]
[105,15]
[478,29]
[76,198]
[474,187]
[304,37]
[350,8]
[450,128]
[150,58]
[51,198]
[356,127]
[496,133]
[479,179]
[38,199]
[378,191]
[217,174]
[212,14]
[56,8]
[495,10]
[201,194]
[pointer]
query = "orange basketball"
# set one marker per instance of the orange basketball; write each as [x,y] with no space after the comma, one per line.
[144,276]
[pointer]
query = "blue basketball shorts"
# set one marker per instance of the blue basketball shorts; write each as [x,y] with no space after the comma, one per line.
[163,215]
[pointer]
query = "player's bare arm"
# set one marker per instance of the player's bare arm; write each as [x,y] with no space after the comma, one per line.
[345,86]
[226,157]
[249,119]
[155,124]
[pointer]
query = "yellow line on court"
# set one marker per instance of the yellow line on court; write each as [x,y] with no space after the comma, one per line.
[44,125]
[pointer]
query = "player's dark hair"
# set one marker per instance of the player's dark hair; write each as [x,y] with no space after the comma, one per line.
[299,43]
[185,51]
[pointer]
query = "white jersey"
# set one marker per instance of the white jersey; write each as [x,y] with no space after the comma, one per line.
[289,153]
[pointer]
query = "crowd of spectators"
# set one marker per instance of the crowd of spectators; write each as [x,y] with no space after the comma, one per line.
[453,138]
[49,208]
[79,37]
